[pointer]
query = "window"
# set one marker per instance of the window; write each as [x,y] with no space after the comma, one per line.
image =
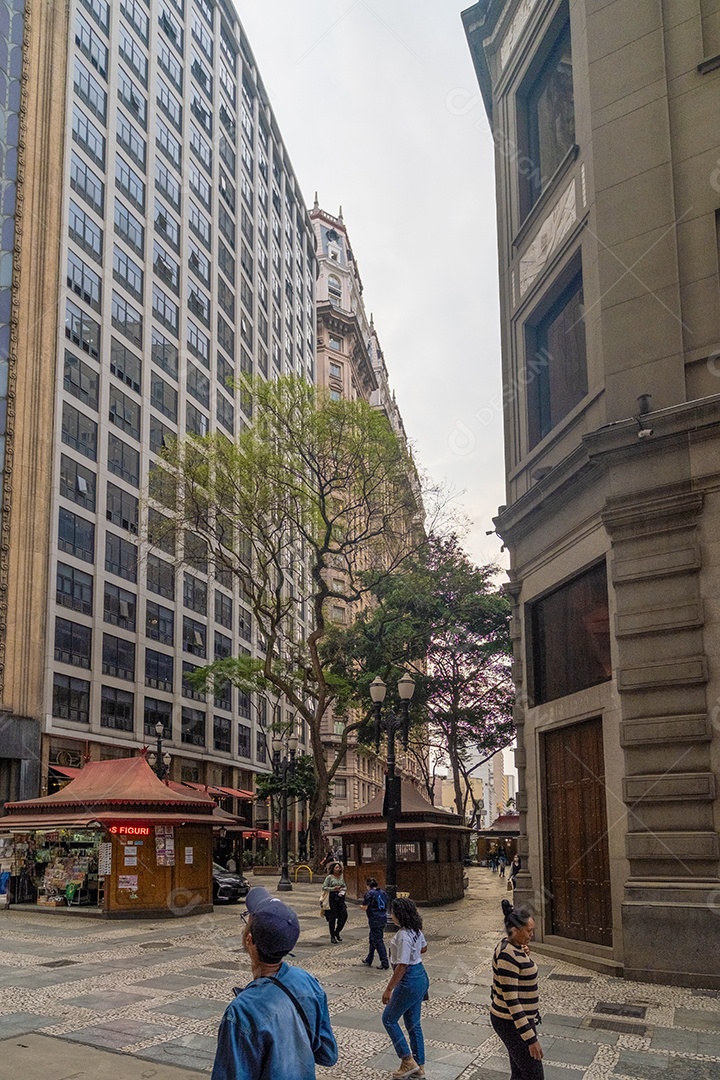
[196,423]
[199,303]
[91,44]
[195,594]
[244,741]
[334,289]
[125,365]
[188,687]
[194,637]
[129,228]
[227,228]
[167,226]
[118,657]
[161,531]
[164,310]
[83,281]
[201,148]
[340,789]
[221,734]
[100,12]
[196,552]
[227,153]
[124,413]
[260,747]
[223,609]
[86,184]
[123,460]
[74,589]
[225,373]
[80,380]
[335,370]
[199,185]
[169,64]
[73,643]
[130,140]
[130,183]
[556,370]
[226,298]
[159,623]
[89,90]
[116,708]
[198,385]
[127,320]
[122,508]
[225,413]
[335,343]
[193,727]
[166,141]
[167,184]
[163,397]
[570,637]
[335,395]
[245,624]
[170,26]
[120,557]
[546,120]
[160,577]
[71,698]
[164,353]
[198,262]
[199,224]
[127,273]
[159,670]
[76,536]
[200,112]
[132,54]
[119,606]
[166,267]
[169,104]
[132,97]
[157,712]
[77,483]
[79,431]
[161,436]
[201,74]
[226,261]
[198,343]
[226,336]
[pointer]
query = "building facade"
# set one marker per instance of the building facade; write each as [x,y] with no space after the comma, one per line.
[350,364]
[607,135]
[162,250]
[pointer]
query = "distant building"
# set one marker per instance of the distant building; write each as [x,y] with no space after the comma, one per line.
[607,130]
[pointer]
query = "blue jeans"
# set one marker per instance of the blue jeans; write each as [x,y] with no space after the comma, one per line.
[406,1001]
[377,943]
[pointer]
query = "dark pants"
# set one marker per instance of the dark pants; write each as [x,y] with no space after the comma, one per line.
[377,943]
[522,1066]
[337,915]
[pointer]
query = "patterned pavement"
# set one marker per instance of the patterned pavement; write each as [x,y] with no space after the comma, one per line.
[156,991]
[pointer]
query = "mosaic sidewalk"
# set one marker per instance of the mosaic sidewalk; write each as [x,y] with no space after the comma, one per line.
[156,991]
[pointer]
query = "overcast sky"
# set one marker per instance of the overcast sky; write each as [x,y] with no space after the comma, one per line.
[379,108]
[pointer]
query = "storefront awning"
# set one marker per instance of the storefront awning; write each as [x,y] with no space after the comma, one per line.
[371,828]
[30,822]
[237,793]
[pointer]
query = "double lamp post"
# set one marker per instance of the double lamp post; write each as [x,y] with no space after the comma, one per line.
[158,761]
[390,724]
[283,767]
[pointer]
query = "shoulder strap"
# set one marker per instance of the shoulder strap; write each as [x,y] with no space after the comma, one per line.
[298,1006]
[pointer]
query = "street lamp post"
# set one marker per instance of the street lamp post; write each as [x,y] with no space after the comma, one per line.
[390,724]
[158,761]
[283,764]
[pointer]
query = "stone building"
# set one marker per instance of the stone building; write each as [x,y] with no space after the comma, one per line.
[350,364]
[155,244]
[607,131]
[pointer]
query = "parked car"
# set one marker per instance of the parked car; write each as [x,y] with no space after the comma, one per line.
[227,888]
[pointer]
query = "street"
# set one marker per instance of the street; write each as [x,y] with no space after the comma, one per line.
[76,991]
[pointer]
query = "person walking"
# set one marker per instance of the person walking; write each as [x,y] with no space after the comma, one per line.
[502,862]
[278,1026]
[493,861]
[404,994]
[375,905]
[514,997]
[515,867]
[337,914]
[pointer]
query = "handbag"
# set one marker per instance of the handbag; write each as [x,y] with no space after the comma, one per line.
[324,901]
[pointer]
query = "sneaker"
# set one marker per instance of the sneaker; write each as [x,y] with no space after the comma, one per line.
[408,1067]
[420,1074]
[384,967]
[366,963]
[338,938]
[334,940]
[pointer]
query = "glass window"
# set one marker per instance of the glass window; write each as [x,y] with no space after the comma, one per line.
[91,44]
[170,26]
[188,688]
[89,90]
[164,310]
[125,365]
[195,594]
[169,104]
[76,536]
[166,267]
[160,577]
[198,385]
[127,273]
[227,228]
[556,371]
[158,712]
[226,336]
[135,15]
[132,97]
[260,747]
[160,623]
[130,139]
[129,227]
[161,436]
[201,74]
[221,734]
[119,606]
[163,397]
[199,224]
[223,609]
[100,11]
[200,185]
[86,184]
[194,637]
[196,551]
[116,708]
[166,141]
[244,741]
[161,531]
[79,431]
[123,460]
[71,698]
[164,353]
[193,727]
[167,184]
[170,64]
[127,319]
[120,557]
[198,343]
[83,281]
[77,483]
[130,183]
[570,637]
[124,413]
[118,657]
[225,413]
[74,589]
[166,225]
[196,423]
[547,114]
[198,262]
[122,508]
[200,111]
[132,54]
[199,303]
[80,380]
[159,670]
[201,148]
[73,643]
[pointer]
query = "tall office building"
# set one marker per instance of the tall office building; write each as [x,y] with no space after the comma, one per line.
[350,365]
[162,249]
[606,123]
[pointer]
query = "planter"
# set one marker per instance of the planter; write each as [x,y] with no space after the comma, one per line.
[266,871]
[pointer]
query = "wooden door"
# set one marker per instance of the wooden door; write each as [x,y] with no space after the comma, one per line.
[575,821]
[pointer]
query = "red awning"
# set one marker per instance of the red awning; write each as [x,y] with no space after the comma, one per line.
[237,793]
[65,770]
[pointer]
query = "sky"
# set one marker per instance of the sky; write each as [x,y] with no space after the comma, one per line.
[379,108]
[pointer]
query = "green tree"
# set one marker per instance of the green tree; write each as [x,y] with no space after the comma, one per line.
[445,618]
[313,505]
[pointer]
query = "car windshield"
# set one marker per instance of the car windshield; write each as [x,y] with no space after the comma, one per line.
[217,866]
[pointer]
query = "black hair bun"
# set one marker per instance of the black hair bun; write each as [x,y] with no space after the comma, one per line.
[507,908]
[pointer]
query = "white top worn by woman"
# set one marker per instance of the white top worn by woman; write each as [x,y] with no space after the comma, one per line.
[406,947]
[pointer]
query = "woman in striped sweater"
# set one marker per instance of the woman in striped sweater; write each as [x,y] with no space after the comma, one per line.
[514,1005]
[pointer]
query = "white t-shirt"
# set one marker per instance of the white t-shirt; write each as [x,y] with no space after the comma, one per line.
[406,947]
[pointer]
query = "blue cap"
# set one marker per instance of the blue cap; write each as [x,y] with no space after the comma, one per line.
[275,927]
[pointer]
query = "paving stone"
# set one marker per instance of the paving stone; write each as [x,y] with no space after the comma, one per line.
[107,1001]
[190,1051]
[698,1019]
[197,1008]
[20,1023]
[631,1059]
[115,1034]
[448,1031]
[675,1039]
[568,1052]
[167,982]
[440,1064]
[363,1019]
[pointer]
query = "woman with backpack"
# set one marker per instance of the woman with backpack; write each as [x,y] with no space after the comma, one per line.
[404,994]
[374,903]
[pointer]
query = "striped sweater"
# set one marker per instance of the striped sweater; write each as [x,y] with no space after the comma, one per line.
[515,989]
